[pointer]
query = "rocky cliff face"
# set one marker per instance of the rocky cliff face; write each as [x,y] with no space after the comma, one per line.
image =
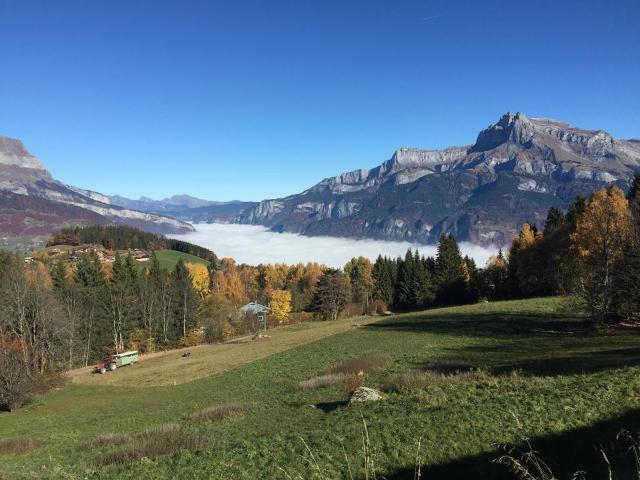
[28,188]
[517,168]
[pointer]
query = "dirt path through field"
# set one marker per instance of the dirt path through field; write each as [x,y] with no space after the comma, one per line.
[169,368]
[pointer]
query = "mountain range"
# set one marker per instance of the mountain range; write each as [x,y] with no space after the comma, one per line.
[32,202]
[516,169]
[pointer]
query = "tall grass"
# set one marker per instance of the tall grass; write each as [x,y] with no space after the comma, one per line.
[322,381]
[219,412]
[108,439]
[165,439]
[420,379]
[18,444]
[363,466]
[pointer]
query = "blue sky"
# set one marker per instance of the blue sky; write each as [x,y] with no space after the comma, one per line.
[257,99]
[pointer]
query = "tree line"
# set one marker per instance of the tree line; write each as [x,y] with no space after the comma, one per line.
[591,251]
[58,317]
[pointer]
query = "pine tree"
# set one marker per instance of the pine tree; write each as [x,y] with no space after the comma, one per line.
[450,272]
[185,298]
[555,221]
[633,197]
[404,287]
[331,295]
[385,276]
[626,286]
[90,280]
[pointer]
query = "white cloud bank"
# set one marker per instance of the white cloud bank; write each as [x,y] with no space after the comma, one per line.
[253,245]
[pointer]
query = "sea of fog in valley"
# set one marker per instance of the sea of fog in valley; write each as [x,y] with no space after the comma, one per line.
[253,245]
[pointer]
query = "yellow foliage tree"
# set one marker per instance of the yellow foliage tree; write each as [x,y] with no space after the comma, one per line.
[280,304]
[602,233]
[199,277]
[228,284]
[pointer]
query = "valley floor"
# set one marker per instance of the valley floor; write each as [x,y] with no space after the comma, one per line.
[543,375]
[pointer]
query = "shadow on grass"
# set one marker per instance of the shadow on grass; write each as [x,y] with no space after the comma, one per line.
[554,344]
[565,453]
[489,324]
[328,407]
[591,362]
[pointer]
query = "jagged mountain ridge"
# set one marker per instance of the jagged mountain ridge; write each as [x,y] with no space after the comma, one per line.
[517,168]
[33,202]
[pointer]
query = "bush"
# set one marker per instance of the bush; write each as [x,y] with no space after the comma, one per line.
[379,307]
[353,381]
[140,340]
[229,331]
[193,338]
[364,364]
[219,412]
[352,310]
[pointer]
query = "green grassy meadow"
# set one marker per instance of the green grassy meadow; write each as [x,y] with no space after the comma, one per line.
[169,258]
[544,376]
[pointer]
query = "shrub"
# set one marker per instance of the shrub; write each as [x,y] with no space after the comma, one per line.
[219,412]
[379,307]
[166,439]
[353,381]
[366,364]
[18,444]
[193,338]
[140,340]
[229,331]
[322,381]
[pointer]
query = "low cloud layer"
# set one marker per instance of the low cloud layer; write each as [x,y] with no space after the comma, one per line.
[253,245]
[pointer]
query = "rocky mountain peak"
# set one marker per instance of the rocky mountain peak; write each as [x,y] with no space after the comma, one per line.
[13,152]
[514,127]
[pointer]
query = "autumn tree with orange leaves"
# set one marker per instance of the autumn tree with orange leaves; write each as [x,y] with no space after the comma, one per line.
[603,232]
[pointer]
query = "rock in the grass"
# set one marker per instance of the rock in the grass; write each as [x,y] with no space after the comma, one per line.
[365,394]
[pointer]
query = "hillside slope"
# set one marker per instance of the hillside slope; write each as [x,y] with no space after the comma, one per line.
[545,377]
[34,202]
[516,169]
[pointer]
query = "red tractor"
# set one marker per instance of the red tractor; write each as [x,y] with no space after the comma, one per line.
[108,363]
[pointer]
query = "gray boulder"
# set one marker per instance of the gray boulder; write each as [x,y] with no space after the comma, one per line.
[365,394]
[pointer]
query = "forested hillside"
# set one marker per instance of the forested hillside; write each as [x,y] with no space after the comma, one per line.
[126,238]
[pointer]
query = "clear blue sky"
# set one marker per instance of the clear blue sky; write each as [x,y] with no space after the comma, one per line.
[257,99]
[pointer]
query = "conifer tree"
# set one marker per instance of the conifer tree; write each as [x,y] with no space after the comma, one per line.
[385,276]
[331,294]
[450,275]
[185,298]
[91,283]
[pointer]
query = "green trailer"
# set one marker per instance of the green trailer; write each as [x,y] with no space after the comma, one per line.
[125,358]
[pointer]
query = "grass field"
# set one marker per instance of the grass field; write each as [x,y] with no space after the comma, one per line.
[169,258]
[168,368]
[544,376]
